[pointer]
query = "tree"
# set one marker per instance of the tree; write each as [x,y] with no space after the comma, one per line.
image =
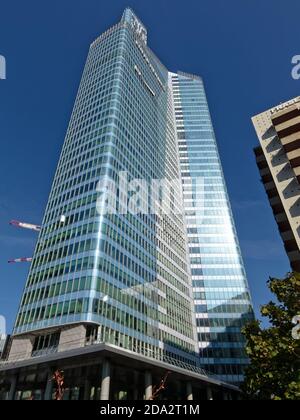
[157,389]
[274,370]
[59,379]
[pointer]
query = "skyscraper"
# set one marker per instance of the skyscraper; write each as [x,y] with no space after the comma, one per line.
[120,277]
[278,161]
[112,261]
[222,299]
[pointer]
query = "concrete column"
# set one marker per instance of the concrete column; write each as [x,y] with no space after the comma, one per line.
[177,385]
[209,394]
[12,390]
[189,391]
[87,390]
[225,396]
[135,389]
[148,385]
[105,384]
[135,394]
[49,387]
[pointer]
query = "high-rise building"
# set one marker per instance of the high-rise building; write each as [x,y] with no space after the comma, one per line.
[222,299]
[115,277]
[112,263]
[278,160]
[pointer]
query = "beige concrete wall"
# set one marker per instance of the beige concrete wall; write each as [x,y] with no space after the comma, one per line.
[278,162]
[289,139]
[72,337]
[21,348]
[294,154]
[287,124]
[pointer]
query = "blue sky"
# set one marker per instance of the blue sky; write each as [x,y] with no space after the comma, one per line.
[242,49]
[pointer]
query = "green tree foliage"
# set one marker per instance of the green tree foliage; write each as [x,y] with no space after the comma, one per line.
[274,372]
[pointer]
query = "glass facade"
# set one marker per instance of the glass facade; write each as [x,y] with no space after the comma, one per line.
[126,273]
[221,293]
[131,274]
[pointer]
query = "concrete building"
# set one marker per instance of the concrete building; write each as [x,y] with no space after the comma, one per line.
[115,287]
[278,160]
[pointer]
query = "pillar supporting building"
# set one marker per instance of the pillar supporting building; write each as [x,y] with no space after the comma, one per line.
[103,372]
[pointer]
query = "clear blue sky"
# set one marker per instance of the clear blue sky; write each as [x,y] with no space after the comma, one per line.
[242,49]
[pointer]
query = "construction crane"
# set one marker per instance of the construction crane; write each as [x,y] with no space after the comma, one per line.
[20,260]
[23,225]
[29,226]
